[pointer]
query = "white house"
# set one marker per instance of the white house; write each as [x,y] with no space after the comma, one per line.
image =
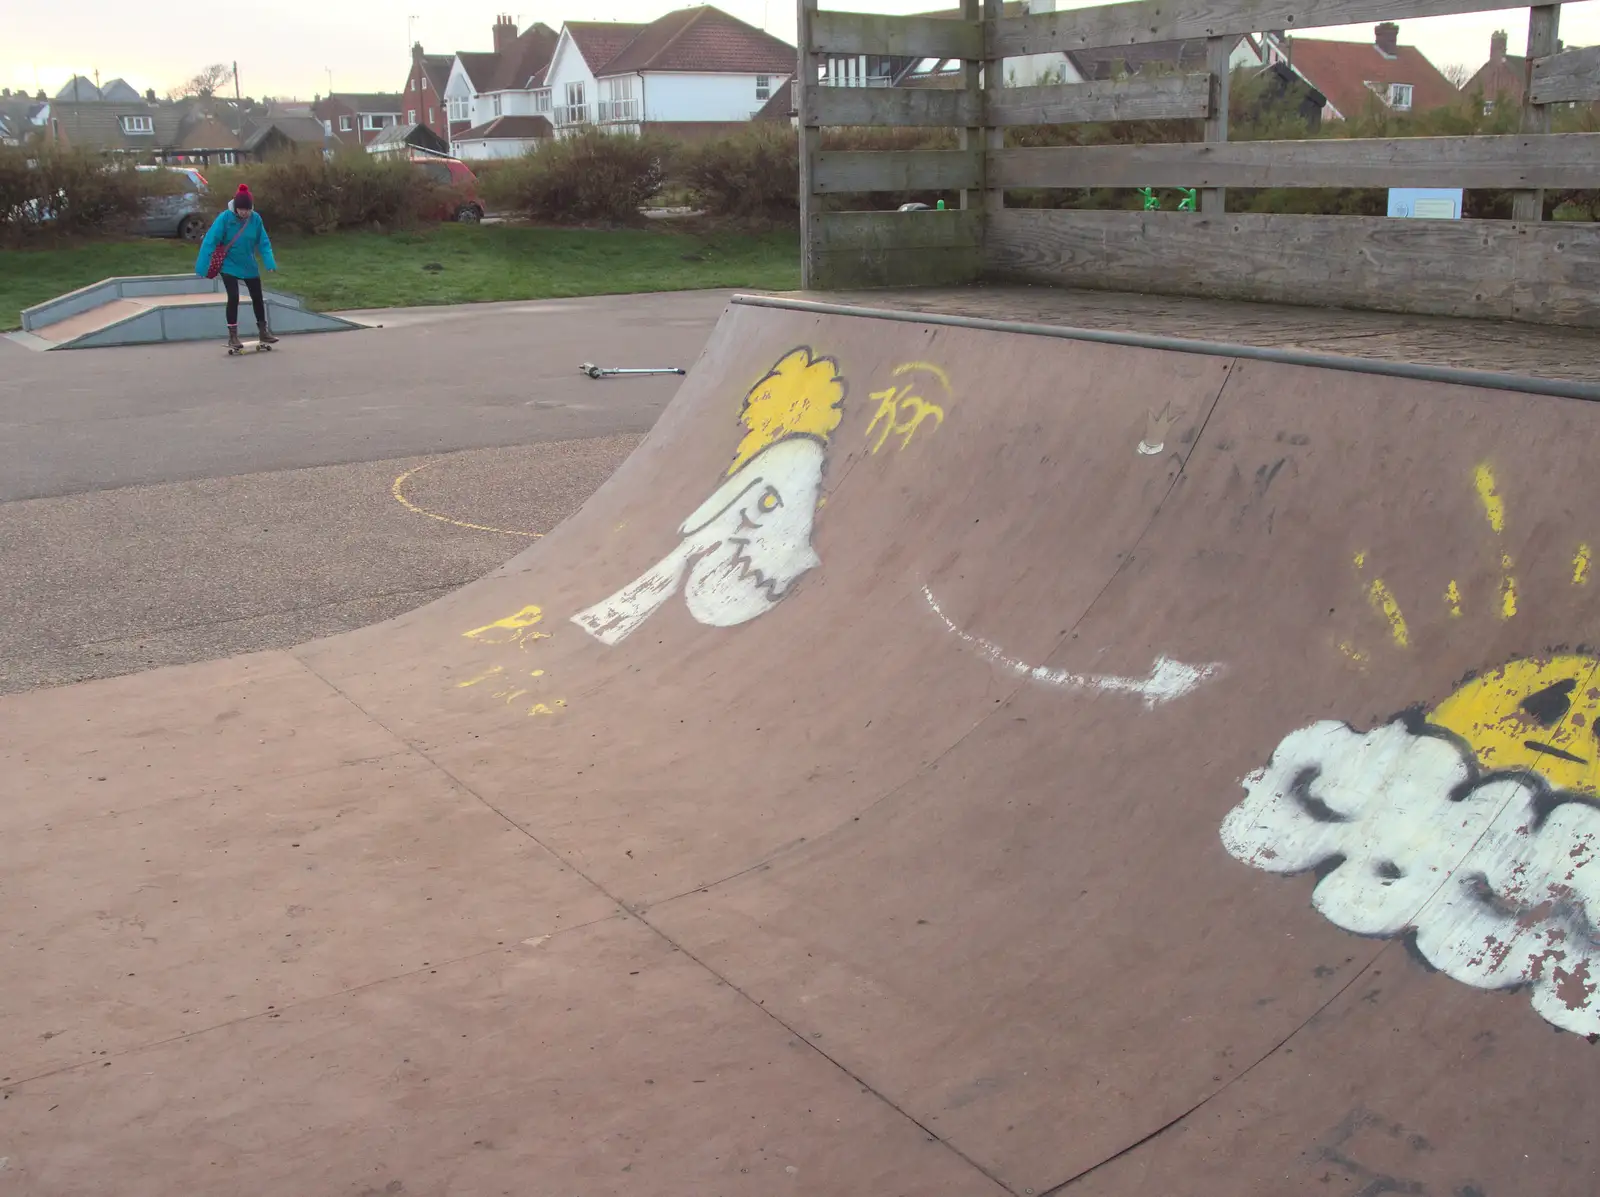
[497,103]
[689,73]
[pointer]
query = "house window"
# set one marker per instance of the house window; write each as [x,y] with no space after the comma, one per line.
[541,101]
[411,116]
[430,116]
[494,104]
[763,87]
[575,96]
[459,110]
[1400,96]
[138,124]
[327,128]
[1488,107]
[344,124]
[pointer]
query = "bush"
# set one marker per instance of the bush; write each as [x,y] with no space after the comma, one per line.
[309,193]
[751,174]
[50,190]
[591,175]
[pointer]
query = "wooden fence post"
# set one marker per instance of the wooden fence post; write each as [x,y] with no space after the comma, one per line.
[1214,200]
[972,139]
[810,142]
[994,137]
[1544,23]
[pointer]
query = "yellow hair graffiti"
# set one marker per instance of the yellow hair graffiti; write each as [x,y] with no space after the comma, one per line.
[801,395]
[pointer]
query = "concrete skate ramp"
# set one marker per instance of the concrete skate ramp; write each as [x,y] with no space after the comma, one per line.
[940,761]
[147,309]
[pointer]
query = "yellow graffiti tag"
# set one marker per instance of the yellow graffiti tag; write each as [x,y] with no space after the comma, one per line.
[1533,714]
[1508,589]
[892,404]
[540,708]
[800,396]
[1494,510]
[513,629]
[1354,653]
[1452,599]
[1493,506]
[1580,565]
[901,410]
[1385,604]
[482,677]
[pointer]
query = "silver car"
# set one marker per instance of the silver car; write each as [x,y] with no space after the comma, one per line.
[176,215]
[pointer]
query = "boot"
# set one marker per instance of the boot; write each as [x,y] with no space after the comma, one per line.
[265,333]
[233,338]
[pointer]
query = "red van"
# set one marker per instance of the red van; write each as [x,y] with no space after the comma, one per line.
[455,176]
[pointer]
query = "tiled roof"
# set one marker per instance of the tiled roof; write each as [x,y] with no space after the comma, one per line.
[368,101]
[703,39]
[1342,70]
[205,131]
[303,130]
[121,91]
[97,125]
[437,68]
[515,128]
[479,67]
[523,65]
[601,41]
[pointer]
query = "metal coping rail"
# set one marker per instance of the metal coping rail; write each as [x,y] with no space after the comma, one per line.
[1487,379]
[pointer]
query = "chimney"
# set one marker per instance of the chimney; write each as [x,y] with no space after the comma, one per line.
[416,55]
[1387,39]
[505,34]
[1497,46]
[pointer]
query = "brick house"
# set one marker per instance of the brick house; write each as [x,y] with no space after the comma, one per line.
[351,120]
[423,99]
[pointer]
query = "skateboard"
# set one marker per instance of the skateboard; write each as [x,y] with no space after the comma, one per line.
[257,346]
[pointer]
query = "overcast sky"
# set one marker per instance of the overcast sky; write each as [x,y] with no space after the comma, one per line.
[289,47]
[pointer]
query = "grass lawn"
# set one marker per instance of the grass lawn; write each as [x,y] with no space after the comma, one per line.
[443,264]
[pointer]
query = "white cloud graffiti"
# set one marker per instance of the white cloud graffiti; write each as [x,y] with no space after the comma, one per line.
[1489,874]
[1168,679]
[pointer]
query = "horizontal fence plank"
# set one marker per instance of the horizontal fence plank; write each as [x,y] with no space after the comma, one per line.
[1166,20]
[896,249]
[1164,97]
[909,37]
[914,106]
[852,231]
[896,170]
[1573,75]
[1480,268]
[1554,160]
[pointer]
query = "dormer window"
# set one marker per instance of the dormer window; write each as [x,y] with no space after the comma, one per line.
[138,124]
[1400,96]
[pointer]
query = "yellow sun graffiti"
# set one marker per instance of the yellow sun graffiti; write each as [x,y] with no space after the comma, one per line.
[801,395]
[1534,714]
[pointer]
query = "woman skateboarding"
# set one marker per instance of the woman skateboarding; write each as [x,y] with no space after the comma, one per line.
[230,248]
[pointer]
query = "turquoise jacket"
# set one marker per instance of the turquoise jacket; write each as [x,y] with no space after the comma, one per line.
[241,259]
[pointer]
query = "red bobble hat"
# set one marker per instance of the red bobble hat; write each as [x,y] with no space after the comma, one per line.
[242,197]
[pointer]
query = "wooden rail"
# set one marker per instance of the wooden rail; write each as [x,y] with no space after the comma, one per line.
[1517,269]
[1572,76]
[1514,160]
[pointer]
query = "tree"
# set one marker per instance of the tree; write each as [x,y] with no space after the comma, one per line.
[1459,74]
[206,83]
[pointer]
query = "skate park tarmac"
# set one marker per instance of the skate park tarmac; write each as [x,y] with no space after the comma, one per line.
[939,760]
[166,504]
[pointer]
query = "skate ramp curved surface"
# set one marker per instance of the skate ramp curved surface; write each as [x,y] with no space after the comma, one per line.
[940,760]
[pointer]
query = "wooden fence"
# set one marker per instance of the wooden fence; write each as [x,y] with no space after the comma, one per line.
[1519,269]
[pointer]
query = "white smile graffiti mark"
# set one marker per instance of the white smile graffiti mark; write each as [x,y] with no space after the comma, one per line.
[1168,679]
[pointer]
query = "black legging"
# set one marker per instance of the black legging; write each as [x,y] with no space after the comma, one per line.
[232,286]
